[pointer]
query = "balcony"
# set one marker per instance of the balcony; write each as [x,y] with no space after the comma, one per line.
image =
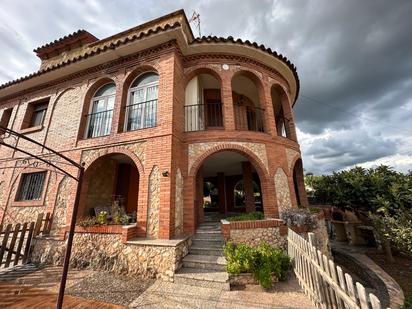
[248,118]
[141,115]
[203,116]
[99,124]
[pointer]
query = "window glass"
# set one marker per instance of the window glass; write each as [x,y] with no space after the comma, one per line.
[109,89]
[31,186]
[100,118]
[145,79]
[142,106]
[38,116]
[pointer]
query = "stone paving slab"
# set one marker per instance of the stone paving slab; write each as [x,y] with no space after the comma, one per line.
[178,296]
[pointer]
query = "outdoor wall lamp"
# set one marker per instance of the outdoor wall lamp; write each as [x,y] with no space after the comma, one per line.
[165,173]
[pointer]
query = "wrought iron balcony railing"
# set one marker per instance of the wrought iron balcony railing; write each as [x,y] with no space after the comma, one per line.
[141,115]
[99,124]
[203,116]
[249,118]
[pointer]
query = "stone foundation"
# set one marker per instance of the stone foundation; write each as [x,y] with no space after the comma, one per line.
[154,259]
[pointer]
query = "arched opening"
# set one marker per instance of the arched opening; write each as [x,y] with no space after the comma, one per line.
[141,107]
[99,118]
[227,182]
[111,181]
[203,104]
[249,114]
[239,192]
[279,99]
[298,183]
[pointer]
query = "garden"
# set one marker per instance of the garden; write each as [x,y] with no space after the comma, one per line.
[383,198]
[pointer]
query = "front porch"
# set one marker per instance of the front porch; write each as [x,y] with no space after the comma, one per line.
[227,183]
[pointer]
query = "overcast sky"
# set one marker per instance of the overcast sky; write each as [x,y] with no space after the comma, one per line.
[354,59]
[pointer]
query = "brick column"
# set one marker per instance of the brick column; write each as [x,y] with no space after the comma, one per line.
[270,123]
[289,119]
[221,191]
[227,100]
[248,186]
[199,213]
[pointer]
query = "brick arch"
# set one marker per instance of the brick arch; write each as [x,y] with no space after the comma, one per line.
[257,163]
[298,181]
[286,105]
[91,90]
[269,205]
[255,79]
[102,153]
[93,162]
[135,73]
[201,70]
[127,82]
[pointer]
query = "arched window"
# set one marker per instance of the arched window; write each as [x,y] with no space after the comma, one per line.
[141,109]
[240,194]
[99,119]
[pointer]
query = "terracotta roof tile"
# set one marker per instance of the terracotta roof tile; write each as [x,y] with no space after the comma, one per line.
[121,41]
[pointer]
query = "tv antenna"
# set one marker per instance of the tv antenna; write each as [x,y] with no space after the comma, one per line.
[196,19]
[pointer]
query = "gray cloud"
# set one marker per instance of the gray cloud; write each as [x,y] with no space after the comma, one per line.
[353,57]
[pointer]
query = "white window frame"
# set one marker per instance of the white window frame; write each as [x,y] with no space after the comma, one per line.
[91,104]
[129,95]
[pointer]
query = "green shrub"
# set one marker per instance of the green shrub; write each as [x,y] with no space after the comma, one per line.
[408,301]
[102,218]
[262,262]
[246,217]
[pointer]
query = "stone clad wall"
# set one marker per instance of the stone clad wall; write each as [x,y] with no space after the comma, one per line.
[179,204]
[106,252]
[154,204]
[272,231]
[282,190]
[254,237]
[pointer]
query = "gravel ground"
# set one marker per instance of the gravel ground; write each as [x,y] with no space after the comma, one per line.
[110,288]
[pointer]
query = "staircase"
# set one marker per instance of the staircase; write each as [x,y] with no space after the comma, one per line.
[205,265]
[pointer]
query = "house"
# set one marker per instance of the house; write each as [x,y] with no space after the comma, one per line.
[168,126]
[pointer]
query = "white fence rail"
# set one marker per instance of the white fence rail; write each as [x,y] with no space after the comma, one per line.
[323,281]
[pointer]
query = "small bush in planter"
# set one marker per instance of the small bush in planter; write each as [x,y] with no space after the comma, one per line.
[102,218]
[299,217]
[262,262]
[247,216]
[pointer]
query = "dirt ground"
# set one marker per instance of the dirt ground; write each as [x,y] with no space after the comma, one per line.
[401,271]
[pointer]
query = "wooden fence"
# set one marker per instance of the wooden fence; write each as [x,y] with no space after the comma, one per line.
[323,281]
[16,241]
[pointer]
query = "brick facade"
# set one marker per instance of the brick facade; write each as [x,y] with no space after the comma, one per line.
[167,159]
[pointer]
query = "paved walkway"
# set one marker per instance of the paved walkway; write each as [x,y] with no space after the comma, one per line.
[28,287]
[164,295]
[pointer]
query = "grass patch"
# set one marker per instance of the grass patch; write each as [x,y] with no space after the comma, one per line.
[247,217]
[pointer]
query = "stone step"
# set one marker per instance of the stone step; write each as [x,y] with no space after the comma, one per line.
[207,243]
[208,237]
[209,231]
[205,251]
[204,262]
[209,225]
[203,277]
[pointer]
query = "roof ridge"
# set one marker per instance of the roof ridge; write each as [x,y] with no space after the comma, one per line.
[62,39]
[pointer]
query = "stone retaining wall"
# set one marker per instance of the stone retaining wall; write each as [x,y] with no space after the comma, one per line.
[272,231]
[253,233]
[158,259]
